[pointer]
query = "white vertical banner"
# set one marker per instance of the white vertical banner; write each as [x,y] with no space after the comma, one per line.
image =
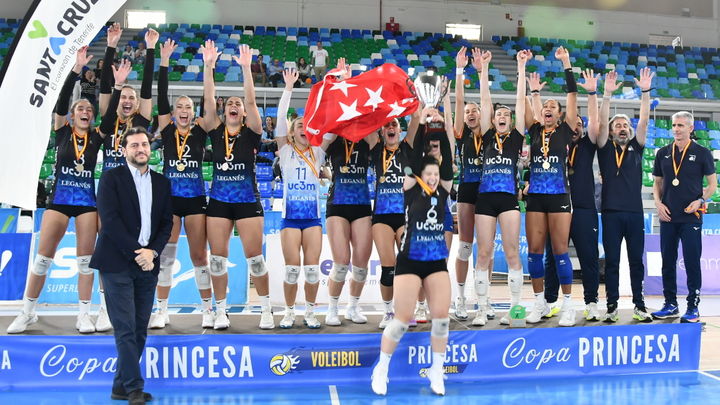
[36,67]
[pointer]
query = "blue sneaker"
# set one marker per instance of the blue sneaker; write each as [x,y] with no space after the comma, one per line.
[667,311]
[692,315]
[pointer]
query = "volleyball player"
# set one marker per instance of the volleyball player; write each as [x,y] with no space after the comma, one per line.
[548,200]
[73,195]
[183,151]
[234,198]
[348,220]
[497,199]
[301,225]
[421,263]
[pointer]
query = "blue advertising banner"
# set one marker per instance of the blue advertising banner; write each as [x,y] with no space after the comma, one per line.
[215,360]
[711,224]
[9,220]
[14,254]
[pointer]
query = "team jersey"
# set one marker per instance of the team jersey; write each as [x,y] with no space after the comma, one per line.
[301,185]
[234,175]
[73,186]
[389,168]
[184,172]
[500,159]
[350,161]
[112,151]
[580,173]
[471,157]
[548,173]
[424,237]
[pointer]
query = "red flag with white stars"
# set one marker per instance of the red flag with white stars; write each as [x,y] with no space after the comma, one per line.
[360,105]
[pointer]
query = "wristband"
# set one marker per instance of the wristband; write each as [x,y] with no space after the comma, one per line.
[592,93]
[648,90]
[534,91]
[459,71]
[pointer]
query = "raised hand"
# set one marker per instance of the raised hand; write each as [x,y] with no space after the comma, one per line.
[121,73]
[151,38]
[113,35]
[534,82]
[245,58]
[342,65]
[646,76]
[461,59]
[167,49]
[82,58]
[209,53]
[523,56]
[611,83]
[290,76]
[562,54]
[591,80]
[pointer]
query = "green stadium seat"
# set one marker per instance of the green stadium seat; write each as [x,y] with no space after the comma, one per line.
[155,157]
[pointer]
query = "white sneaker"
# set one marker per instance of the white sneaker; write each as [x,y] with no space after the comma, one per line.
[102,323]
[159,319]
[221,320]
[379,380]
[421,314]
[386,319]
[311,321]
[567,315]
[540,309]
[591,312]
[288,320]
[461,308]
[437,380]
[21,322]
[480,316]
[332,318]
[554,309]
[505,320]
[355,315]
[266,319]
[490,311]
[208,318]
[85,324]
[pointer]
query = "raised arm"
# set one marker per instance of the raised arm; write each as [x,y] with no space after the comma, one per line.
[290,76]
[210,119]
[461,61]
[63,102]
[590,85]
[449,128]
[571,115]
[252,117]
[535,87]
[522,58]
[645,85]
[146,106]
[446,165]
[107,124]
[610,86]
[164,108]
[481,62]
[106,75]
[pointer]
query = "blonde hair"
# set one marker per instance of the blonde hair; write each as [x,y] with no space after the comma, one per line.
[291,128]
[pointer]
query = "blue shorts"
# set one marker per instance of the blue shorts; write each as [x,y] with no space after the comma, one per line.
[300,224]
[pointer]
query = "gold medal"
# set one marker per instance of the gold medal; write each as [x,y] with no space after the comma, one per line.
[344,169]
[79,167]
[76,139]
[180,166]
[546,165]
[571,172]
[676,182]
[382,179]
[676,166]
[477,161]
[225,166]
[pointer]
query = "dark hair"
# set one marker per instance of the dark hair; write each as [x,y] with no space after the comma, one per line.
[135,131]
[428,160]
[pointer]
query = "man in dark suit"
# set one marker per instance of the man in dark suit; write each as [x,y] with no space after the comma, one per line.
[136,215]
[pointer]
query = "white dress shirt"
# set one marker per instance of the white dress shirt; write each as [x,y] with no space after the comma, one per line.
[143,186]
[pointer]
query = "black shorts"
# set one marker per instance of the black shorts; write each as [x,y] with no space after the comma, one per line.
[394,221]
[184,206]
[350,212]
[71,210]
[550,203]
[418,268]
[467,193]
[234,211]
[494,204]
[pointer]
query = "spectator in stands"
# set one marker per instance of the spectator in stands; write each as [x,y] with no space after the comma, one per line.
[267,142]
[259,70]
[140,53]
[220,107]
[88,87]
[303,69]
[128,53]
[320,57]
[275,72]
[98,68]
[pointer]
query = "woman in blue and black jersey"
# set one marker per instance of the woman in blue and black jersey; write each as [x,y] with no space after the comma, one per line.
[234,198]
[183,151]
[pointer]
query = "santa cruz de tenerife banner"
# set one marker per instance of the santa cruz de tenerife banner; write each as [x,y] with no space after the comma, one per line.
[218,359]
[36,66]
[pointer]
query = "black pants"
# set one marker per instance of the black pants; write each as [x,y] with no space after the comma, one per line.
[631,226]
[584,234]
[691,236]
[129,296]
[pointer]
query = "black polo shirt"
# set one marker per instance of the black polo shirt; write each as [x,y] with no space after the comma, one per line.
[621,189]
[697,164]
[580,173]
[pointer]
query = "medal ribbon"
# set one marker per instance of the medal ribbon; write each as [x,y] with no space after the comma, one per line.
[546,136]
[478,144]
[348,151]
[676,166]
[498,137]
[310,162]
[181,148]
[118,136]
[424,186]
[572,155]
[619,157]
[229,145]
[386,161]
[76,136]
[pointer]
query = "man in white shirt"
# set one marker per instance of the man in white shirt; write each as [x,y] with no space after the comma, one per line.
[320,57]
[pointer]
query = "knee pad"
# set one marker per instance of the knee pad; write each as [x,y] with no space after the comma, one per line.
[202,278]
[312,274]
[481,282]
[359,274]
[167,257]
[256,265]
[83,264]
[41,265]
[218,265]
[440,327]
[339,272]
[464,251]
[291,274]
[395,330]
[387,276]
[564,268]
[165,277]
[515,281]
[535,265]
